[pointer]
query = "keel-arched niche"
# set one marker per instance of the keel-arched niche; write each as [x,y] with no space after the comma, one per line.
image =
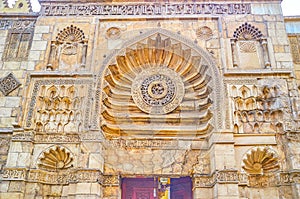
[158,85]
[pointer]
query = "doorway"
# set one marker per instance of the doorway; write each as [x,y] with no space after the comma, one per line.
[157,188]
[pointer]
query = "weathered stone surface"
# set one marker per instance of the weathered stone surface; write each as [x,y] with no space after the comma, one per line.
[94,93]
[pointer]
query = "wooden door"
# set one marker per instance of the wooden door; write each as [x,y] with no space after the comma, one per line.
[138,188]
[181,188]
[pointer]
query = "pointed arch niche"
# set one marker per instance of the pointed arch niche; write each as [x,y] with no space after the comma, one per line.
[158,86]
[249,48]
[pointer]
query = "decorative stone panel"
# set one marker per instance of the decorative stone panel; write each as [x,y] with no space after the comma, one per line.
[160,84]
[18,42]
[249,48]
[57,105]
[68,52]
[9,83]
[260,108]
[295,47]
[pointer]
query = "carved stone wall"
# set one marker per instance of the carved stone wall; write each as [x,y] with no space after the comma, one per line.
[93,93]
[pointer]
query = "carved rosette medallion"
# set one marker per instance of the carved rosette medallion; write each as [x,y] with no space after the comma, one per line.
[157,90]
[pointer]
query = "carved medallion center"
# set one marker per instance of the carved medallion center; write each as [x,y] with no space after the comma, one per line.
[158,90]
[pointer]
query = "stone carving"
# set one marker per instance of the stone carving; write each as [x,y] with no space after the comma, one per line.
[56,138]
[60,178]
[294,43]
[260,161]
[113,33]
[5,24]
[56,158]
[23,137]
[13,174]
[249,47]
[69,50]
[258,109]
[247,32]
[18,43]
[143,143]
[59,108]
[109,180]
[8,84]
[227,176]
[259,181]
[157,90]
[144,9]
[204,33]
[156,82]
[68,96]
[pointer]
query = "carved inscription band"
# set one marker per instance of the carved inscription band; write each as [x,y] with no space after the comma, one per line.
[145,9]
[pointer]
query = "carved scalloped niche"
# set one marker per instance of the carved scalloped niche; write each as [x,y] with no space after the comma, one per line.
[260,160]
[56,158]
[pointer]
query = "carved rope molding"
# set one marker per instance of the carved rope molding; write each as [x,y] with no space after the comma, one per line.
[148,9]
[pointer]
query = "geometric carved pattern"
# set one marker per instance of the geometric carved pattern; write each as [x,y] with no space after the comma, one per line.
[56,158]
[8,84]
[247,32]
[160,84]
[260,161]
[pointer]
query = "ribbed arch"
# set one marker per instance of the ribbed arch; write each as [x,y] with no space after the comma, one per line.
[160,62]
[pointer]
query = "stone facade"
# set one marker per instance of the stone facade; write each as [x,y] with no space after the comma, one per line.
[95,95]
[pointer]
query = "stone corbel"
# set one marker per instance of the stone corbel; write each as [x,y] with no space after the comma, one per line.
[234,51]
[264,44]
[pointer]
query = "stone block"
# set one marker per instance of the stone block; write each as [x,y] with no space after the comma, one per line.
[5,112]
[12,102]
[41,29]
[16,147]
[30,65]
[285,57]
[34,55]
[23,160]
[95,160]
[37,37]
[83,188]
[4,186]
[114,44]
[266,9]
[12,159]
[2,40]
[2,101]
[39,45]
[11,195]
[12,65]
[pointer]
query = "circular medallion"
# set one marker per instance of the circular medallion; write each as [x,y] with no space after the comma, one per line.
[157,90]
